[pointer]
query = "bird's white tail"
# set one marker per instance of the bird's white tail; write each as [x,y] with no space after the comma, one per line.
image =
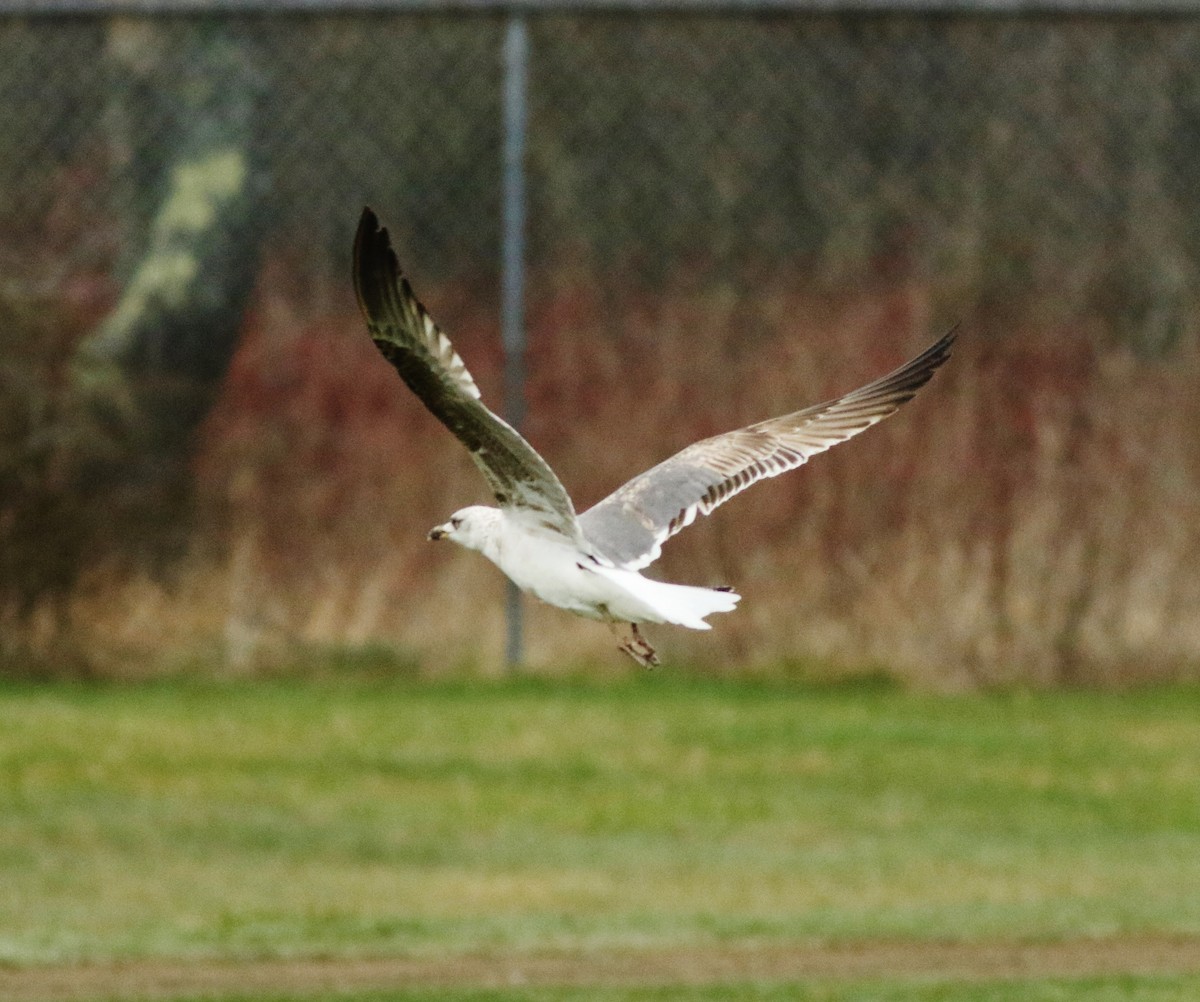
[681,605]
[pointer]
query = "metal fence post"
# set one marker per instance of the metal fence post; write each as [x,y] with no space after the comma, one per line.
[512,272]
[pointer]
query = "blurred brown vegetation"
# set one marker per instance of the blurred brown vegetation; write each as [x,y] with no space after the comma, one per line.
[729,219]
[1031,517]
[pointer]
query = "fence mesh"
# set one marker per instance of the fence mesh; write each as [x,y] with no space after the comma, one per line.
[1003,155]
[756,168]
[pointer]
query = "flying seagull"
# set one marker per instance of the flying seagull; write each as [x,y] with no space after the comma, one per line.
[589,564]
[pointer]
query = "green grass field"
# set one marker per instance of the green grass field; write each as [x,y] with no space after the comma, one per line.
[142,824]
[1112,990]
[1051,990]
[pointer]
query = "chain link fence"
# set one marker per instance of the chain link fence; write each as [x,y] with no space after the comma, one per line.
[1006,166]
[1000,155]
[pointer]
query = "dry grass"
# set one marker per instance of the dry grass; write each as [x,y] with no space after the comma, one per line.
[1032,517]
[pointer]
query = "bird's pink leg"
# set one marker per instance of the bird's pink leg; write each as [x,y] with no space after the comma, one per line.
[639,649]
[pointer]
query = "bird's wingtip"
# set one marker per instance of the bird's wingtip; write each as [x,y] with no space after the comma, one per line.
[374,257]
[369,228]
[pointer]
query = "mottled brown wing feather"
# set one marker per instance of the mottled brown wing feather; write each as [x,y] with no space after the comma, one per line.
[427,362]
[631,524]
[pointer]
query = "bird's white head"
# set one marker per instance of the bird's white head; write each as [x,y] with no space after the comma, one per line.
[470,527]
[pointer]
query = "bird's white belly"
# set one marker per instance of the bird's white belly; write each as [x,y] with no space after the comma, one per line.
[554,569]
[557,574]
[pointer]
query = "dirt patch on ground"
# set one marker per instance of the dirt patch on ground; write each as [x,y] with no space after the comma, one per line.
[164,979]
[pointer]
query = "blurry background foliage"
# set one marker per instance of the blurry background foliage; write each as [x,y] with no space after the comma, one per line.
[730,215]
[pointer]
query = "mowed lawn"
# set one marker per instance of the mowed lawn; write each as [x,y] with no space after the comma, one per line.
[292,819]
[1021,990]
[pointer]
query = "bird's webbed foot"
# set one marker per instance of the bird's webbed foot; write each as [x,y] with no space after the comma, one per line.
[639,649]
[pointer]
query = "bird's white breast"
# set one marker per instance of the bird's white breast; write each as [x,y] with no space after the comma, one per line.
[546,564]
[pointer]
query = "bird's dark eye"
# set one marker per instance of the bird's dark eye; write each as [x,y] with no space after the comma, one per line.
[455,522]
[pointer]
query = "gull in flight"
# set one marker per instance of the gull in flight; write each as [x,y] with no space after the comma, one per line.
[589,564]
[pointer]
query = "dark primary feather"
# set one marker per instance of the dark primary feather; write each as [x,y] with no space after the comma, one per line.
[631,524]
[408,338]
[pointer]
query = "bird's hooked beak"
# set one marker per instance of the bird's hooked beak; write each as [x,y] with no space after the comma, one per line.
[438,532]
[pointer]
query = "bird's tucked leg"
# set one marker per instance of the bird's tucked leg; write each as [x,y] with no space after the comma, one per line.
[639,649]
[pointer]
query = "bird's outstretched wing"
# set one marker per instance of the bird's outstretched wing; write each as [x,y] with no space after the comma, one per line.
[427,362]
[631,524]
